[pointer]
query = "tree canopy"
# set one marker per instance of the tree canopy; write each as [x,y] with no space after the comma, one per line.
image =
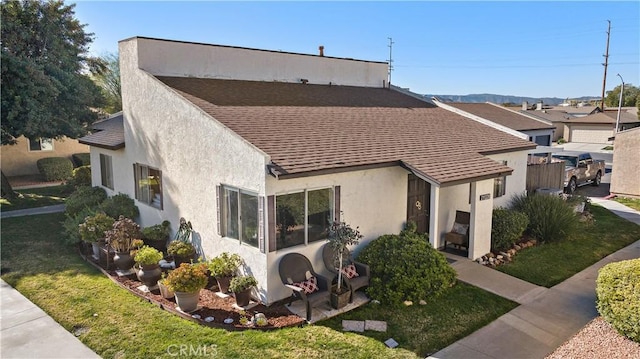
[107,76]
[46,89]
[630,98]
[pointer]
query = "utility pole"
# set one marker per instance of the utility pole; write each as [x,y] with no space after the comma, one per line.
[390,59]
[606,63]
[619,106]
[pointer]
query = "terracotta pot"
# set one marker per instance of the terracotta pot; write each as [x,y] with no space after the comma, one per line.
[149,274]
[123,261]
[188,302]
[165,291]
[243,298]
[223,284]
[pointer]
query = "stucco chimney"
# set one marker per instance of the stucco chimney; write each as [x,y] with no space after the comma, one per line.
[539,106]
[525,105]
[321,48]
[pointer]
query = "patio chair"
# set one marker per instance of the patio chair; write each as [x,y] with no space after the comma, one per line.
[353,284]
[459,234]
[293,268]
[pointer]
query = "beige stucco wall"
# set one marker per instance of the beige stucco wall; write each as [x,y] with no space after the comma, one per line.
[374,200]
[17,160]
[517,181]
[481,214]
[625,174]
[170,58]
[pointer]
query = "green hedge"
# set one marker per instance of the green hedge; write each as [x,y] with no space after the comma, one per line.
[84,197]
[81,159]
[120,205]
[81,176]
[405,267]
[55,168]
[507,227]
[618,290]
[550,217]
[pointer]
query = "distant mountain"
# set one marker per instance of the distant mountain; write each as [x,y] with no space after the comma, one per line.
[500,99]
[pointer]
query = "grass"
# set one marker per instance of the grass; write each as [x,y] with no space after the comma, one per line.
[629,202]
[36,197]
[551,263]
[115,323]
[608,148]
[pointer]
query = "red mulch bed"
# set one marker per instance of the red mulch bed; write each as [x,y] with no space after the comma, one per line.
[210,305]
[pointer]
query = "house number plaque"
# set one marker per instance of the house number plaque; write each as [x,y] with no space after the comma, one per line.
[418,205]
[485,196]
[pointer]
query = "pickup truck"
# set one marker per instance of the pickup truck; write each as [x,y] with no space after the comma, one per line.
[580,169]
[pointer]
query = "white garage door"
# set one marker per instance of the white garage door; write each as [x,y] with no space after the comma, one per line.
[591,134]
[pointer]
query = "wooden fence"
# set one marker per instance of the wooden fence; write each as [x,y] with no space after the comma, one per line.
[545,175]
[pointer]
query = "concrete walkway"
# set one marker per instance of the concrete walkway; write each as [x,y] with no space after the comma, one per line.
[28,332]
[546,318]
[32,211]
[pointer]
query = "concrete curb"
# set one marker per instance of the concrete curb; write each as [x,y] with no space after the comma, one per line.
[33,211]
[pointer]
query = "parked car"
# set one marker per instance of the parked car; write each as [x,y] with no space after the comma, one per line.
[580,169]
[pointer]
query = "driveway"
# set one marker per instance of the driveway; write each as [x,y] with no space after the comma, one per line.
[598,154]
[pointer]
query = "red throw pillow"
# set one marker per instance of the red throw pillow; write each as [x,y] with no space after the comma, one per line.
[350,271]
[309,286]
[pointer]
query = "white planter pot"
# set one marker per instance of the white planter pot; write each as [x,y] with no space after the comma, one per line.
[188,302]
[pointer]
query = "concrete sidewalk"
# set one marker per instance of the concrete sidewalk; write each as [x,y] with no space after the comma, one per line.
[547,317]
[28,332]
[32,211]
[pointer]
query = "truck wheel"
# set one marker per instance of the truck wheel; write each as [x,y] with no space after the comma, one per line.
[598,179]
[572,186]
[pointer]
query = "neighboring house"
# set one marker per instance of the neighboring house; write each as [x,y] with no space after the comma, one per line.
[625,173]
[21,159]
[536,130]
[597,127]
[555,117]
[261,150]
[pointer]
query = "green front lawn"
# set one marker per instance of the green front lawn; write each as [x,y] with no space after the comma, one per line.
[551,263]
[629,202]
[115,323]
[36,197]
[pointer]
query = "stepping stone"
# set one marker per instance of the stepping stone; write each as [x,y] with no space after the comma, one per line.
[222,295]
[391,343]
[375,325]
[353,326]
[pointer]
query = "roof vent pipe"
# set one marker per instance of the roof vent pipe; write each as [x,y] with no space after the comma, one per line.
[321,48]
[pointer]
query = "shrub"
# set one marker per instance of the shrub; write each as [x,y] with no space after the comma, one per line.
[506,228]
[618,290]
[120,205]
[81,159]
[94,227]
[224,265]
[158,232]
[181,249]
[147,256]
[550,217]
[122,235]
[80,176]
[188,278]
[84,197]
[240,283]
[405,267]
[71,225]
[55,168]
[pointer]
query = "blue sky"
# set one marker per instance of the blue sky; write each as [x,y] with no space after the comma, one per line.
[535,49]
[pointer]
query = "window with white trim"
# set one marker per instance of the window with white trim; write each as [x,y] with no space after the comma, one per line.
[303,217]
[106,171]
[239,215]
[500,185]
[40,144]
[148,183]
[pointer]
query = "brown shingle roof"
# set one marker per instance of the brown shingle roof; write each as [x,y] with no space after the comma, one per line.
[502,116]
[606,117]
[109,134]
[378,130]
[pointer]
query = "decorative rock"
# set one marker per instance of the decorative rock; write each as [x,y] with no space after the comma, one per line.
[408,303]
[517,247]
[500,256]
[423,302]
[490,255]
[534,241]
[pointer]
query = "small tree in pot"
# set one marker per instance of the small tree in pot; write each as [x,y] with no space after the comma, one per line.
[241,287]
[223,268]
[149,272]
[341,236]
[181,248]
[187,281]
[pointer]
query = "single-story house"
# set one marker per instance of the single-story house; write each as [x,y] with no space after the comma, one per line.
[598,127]
[261,150]
[626,163]
[555,117]
[21,158]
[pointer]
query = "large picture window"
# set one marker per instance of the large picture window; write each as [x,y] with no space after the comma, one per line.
[148,185]
[106,171]
[40,144]
[500,185]
[239,215]
[303,217]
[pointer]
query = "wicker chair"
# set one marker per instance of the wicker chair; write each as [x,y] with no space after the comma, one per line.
[355,283]
[459,234]
[292,269]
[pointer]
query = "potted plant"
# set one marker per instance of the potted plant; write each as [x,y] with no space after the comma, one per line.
[341,236]
[223,268]
[149,271]
[241,287]
[181,248]
[121,238]
[165,291]
[93,231]
[156,236]
[186,282]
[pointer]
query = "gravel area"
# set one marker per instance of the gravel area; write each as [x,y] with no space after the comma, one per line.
[598,340]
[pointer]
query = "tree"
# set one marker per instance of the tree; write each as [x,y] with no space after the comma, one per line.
[107,76]
[630,97]
[46,91]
